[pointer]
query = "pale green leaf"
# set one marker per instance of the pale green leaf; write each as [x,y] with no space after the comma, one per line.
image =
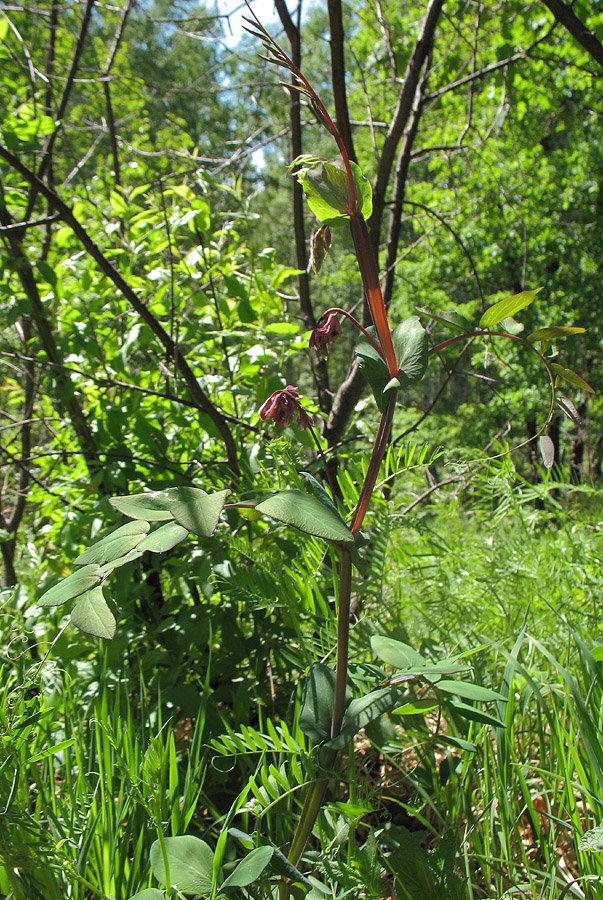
[71,587]
[190,862]
[114,545]
[196,510]
[153,507]
[163,538]
[307,513]
[92,615]
[468,690]
[592,841]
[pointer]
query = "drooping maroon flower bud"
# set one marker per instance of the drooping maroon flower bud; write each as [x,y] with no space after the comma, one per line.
[327,330]
[283,406]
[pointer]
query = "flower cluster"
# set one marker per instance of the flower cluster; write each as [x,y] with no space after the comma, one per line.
[283,406]
[327,330]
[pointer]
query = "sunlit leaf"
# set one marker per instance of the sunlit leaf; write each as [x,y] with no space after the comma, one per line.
[468,690]
[307,513]
[92,615]
[153,507]
[190,862]
[396,653]
[149,894]
[196,510]
[327,191]
[163,538]
[592,841]
[114,545]
[507,307]
[418,708]
[71,587]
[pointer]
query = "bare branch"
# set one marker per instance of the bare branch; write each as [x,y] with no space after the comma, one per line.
[576,27]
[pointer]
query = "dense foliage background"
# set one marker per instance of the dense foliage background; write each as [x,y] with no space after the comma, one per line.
[155,289]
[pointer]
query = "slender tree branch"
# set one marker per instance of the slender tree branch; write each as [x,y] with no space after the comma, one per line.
[193,386]
[318,365]
[400,118]
[342,116]
[586,38]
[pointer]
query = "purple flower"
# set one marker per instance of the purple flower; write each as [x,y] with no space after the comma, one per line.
[327,330]
[283,407]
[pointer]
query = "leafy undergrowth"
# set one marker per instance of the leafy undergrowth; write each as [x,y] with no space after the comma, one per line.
[99,760]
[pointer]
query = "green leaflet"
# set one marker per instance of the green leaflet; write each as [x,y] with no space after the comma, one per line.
[411,348]
[92,615]
[327,191]
[190,862]
[196,510]
[307,513]
[114,545]
[507,307]
[71,587]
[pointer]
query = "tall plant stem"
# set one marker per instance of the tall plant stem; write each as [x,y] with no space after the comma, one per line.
[318,789]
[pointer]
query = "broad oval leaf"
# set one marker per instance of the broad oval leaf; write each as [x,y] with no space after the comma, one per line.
[307,513]
[468,690]
[114,545]
[163,538]
[71,587]
[410,344]
[592,840]
[92,615]
[190,862]
[555,331]
[547,450]
[396,653]
[317,703]
[249,869]
[507,307]
[196,510]
[153,507]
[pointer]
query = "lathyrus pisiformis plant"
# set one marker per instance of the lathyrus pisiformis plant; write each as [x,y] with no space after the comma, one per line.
[392,359]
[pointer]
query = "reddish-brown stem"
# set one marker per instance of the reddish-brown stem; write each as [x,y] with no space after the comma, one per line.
[372,288]
[379,447]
